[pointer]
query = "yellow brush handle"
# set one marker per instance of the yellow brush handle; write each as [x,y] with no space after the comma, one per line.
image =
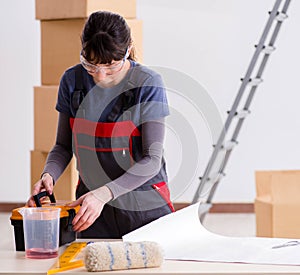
[65,260]
[70,253]
[70,266]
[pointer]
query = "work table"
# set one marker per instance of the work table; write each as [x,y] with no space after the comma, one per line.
[12,262]
[15,263]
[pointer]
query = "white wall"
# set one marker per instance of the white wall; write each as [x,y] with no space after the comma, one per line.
[213,42]
[20,71]
[210,40]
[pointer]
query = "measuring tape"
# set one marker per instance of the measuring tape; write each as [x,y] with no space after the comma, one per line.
[66,260]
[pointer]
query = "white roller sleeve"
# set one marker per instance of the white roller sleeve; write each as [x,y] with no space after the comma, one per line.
[103,256]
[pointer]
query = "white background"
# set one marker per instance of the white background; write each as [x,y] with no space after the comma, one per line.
[212,41]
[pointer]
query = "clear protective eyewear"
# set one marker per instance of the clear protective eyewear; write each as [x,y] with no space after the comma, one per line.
[109,69]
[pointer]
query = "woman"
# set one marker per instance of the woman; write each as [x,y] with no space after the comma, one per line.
[111,116]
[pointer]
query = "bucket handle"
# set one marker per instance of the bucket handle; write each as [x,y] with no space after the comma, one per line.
[43,194]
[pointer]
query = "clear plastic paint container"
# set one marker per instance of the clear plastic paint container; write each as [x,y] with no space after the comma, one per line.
[41,231]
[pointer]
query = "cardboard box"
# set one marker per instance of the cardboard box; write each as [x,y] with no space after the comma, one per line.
[61,46]
[65,9]
[45,117]
[277,204]
[65,187]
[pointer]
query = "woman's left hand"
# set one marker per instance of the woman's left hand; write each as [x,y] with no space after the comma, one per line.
[92,204]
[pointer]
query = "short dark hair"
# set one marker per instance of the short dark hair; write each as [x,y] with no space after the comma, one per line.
[105,37]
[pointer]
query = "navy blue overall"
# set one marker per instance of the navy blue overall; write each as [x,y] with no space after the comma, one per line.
[106,149]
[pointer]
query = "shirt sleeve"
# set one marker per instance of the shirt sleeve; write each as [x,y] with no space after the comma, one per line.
[64,94]
[154,103]
[61,154]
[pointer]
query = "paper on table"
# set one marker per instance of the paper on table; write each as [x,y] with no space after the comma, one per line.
[183,237]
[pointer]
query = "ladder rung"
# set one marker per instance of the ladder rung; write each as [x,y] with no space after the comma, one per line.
[242,113]
[281,16]
[254,81]
[215,178]
[267,49]
[229,145]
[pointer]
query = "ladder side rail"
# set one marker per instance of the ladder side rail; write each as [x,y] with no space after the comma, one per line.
[215,185]
[286,6]
[261,69]
[248,101]
[253,61]
[237,99]
[207,205]
[213,190]
[208,168]
[259,74]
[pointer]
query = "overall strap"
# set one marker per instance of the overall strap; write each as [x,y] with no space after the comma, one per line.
[79,91]
[125,100]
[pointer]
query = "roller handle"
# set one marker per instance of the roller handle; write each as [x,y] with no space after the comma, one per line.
[43,194]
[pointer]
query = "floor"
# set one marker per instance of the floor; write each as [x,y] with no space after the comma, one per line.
[234,225]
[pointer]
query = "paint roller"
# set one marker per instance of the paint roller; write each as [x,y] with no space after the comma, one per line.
[105,256]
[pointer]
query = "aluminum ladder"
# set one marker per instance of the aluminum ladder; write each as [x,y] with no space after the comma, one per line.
[214,171]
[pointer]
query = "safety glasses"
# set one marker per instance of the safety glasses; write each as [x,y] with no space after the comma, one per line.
[108,69]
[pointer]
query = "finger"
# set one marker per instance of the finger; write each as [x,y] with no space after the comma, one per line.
[80,220]
[79,214]
[73,203]
[30,202]
[84,216]
[86,224]
[48,184]
[37,187]
[85,221]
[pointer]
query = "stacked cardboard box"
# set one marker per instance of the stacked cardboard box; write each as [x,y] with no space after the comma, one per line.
[61,26]
[277,204]
[45,125]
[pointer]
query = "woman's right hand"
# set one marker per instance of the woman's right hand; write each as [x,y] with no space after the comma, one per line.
[44,184]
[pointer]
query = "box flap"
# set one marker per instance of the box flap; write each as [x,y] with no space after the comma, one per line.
[263,183]
[264,199]
[67,9]
[281,186]
[286,187]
